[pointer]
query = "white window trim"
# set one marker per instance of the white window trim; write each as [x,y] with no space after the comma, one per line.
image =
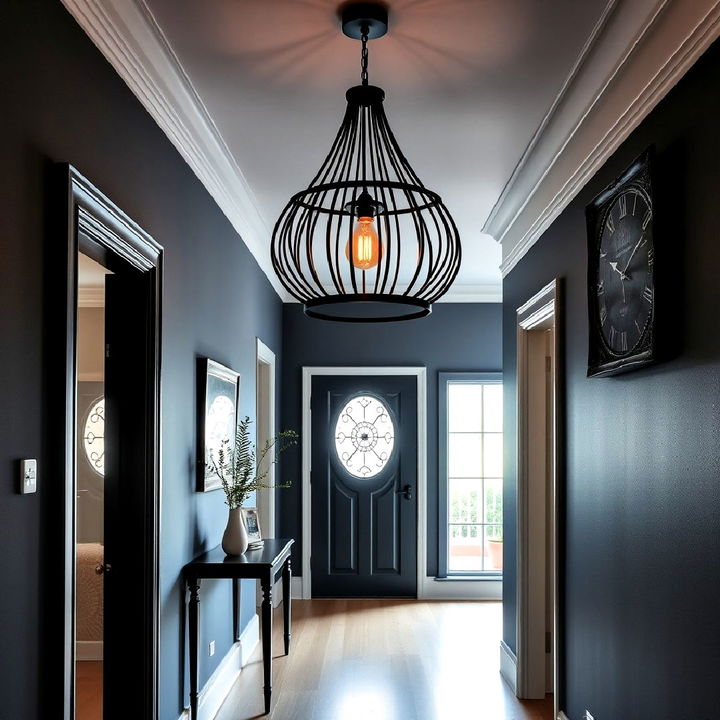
[473,377]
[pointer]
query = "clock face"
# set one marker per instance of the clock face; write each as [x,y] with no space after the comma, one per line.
[625,271]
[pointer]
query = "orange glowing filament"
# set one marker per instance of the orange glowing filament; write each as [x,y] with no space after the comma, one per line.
[365,244]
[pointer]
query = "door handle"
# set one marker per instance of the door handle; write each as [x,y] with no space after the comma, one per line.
[101,569]
[407,492]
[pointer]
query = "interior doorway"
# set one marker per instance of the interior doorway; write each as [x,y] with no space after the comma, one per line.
[539,408]
[265,428]
[106,617]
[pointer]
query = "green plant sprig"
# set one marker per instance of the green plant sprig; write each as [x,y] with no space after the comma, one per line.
[239,469]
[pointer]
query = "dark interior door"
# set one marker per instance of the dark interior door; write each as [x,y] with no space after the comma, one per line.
[127,586]
[364,486]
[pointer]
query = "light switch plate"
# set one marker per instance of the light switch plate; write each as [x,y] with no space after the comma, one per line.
[28,476]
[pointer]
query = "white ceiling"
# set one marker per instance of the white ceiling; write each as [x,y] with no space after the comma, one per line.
[468,83]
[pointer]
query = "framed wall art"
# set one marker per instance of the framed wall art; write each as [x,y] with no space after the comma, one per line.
[218,398]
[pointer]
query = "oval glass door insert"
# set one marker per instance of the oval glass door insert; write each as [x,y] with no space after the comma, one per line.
[364,436]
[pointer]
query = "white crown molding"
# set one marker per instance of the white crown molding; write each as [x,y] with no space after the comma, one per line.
[489,293]
[473,294]
[638,51]
[127,34]
[91,297]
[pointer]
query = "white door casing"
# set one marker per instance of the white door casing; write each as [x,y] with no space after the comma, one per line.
[306,441]
[537,464]
[265,414]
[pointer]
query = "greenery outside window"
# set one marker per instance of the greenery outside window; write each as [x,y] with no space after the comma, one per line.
[470,454]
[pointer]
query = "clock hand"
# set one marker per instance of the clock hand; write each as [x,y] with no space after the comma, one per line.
[614,266]
[632,254]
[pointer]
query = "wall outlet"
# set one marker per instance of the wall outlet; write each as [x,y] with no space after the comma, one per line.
[211,648]
[28,476]
[588,716]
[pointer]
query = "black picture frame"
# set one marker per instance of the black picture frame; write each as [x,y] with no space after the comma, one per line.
[602,360]
[218,400]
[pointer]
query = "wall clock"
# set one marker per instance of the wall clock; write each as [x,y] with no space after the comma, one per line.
[621,273]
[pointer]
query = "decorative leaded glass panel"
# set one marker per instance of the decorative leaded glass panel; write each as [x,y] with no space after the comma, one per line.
[364,436]
[94,436]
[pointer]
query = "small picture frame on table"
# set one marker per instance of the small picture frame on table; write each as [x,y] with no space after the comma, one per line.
[252,525]
[218,399]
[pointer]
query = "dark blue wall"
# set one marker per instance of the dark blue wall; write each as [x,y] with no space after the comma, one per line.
[454,337]
[641,574]
[63,103]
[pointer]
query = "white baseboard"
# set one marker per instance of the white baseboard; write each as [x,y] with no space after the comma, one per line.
[89,650]
[432,589]
[296,588]
[249,639]
[562,716]
[508,666]
[221,681]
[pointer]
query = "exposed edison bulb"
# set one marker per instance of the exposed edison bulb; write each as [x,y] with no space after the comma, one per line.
[365,244]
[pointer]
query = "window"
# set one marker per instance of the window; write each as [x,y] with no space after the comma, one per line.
[471,452]
[364,436]
[94,436]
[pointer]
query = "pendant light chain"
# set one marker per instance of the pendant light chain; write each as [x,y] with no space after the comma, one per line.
[364,55]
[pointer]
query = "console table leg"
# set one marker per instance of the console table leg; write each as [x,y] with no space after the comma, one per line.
[286,578]
[194,637]
[267,610]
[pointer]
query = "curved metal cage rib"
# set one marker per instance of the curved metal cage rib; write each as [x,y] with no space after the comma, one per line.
[419,246]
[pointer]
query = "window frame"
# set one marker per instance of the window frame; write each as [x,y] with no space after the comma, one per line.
[444,380]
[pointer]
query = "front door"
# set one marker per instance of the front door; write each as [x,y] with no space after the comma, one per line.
[364,486]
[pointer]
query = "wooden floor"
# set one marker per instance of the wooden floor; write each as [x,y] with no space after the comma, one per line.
[88,690]
[385,660]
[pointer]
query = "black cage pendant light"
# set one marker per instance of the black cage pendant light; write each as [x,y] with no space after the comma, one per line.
[366,241]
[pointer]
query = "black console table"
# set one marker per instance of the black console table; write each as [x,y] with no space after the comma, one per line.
[263,565]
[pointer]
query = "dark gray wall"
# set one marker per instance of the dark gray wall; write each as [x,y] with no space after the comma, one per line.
[63,103]
[454,337]
[641,544]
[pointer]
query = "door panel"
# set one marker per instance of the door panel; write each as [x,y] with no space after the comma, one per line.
[127,375]
[364,455]
[386,511]
[343,520]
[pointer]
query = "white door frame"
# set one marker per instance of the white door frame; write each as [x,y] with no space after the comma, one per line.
[265,395]
[539,312]
[421,491]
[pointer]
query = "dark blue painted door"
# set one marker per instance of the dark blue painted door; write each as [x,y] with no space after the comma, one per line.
[364,486]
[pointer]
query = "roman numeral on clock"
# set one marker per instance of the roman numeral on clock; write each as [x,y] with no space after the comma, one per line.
[603,314]
[623,341]
[648,294]
[610,223]
[622,204]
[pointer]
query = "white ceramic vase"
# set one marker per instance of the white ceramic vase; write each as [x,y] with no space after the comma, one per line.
[235,539]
